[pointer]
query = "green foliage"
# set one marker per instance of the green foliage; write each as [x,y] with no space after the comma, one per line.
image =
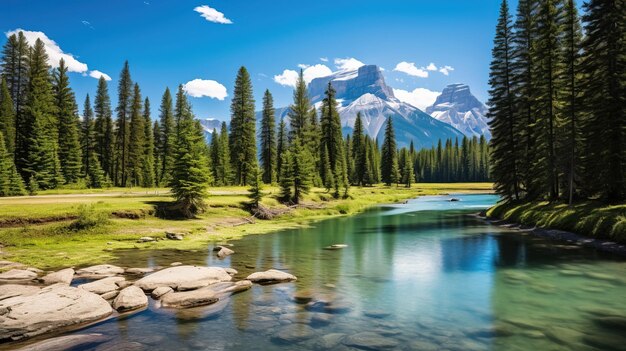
[91,165]
[165,145]
[389,169]
[7,117]
[104,130]
[89,217]
[122,126]
[286,180]
[256,189]
[148,177]
[331,145]
[10,181]
[268,139]
[136,153]
[242,137]
[281,147]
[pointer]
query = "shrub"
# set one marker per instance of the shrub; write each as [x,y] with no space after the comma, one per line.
[89,217]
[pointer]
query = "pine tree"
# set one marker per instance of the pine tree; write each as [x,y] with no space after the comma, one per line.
[301,167]
[122,127]
[408,175]
[359,153]
[67,125]
[37,157]
[105,133]
[281,146]
[91,165]
[190,175]
[268,139]
[136,152]
[156,139]
[215,156]
[389,168]
[168,136]
[300,111]
[332,141]
[286,177]
[7,117]
[11,183]
[603,65]
[256,189]
[242,129]
[148,147]
[224,168]
[503,123]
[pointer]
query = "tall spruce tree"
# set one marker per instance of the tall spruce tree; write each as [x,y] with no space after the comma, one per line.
[224,168]
[503,122]
[215,156]
[359,152]
[242,137]
[156,138]
[300,111]
[91,165]
[148,147]
[301,166]
[67,120]
[268,139]
[136,152]
[11,183]
[168,136]
[105,130]
[389,168]
[332,141]
[281,146]
[7,117]
[122,126]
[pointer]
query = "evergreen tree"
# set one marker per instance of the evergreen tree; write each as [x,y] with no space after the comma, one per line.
[156,139]
[168,136]
[242,129]
[136,152]
[224,167]
[11,183]
[67,125]
[286,177]
[256,189]
[215,156]
[122,126]
[359,153]
[408,175]
[281,146]
[190,175]
[7,118]
[301,167]
[105,133]
[503,123]
[389,168]
[332,141]
[91,165]
[148,147]
[268,139]
[300,111]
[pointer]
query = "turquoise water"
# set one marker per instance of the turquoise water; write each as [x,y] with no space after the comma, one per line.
[425,275]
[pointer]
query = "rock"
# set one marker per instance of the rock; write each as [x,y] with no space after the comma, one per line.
[64,276]
[231,288]
[130,298]
[337,307]
[454,199]
[181,275]
[99,271]
[67,342]
[146,239]
[12,290]
[110,295]
[188,299]
[224,252]
[160,291]
[294,333]
[423,345]
[174,264]
[563,336]
[231,271]
[271,276]
[612,322]
[321,319]
[54,307]
[17,275]
[377,314]
[123,284]
[121,346]
[34,270]
[336,247]
[603,276]
[102,286]
[203,312]
[489,332]
[369,341]
[139,270]
[329,341]
[303,297]
[605,342]
[174,236]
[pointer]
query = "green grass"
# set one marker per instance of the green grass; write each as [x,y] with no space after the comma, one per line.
[588,218]
[49,237]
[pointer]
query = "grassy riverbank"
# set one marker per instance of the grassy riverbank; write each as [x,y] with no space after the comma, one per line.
[588,218]
[41,230]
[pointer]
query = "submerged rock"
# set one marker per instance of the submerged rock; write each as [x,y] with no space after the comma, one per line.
[99,271]
[121,346]
[51,308]
[271,276]
[102,286]
[130,298]
[183,276]
[63,276]
[67,342]
[294,333]
[336,247]
[224,252]
[370,341]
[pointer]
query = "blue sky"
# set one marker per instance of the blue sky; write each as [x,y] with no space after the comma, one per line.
[169,43]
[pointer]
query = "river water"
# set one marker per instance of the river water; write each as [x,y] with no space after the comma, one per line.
[424,275]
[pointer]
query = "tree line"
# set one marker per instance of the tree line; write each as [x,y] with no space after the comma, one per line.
[558,101]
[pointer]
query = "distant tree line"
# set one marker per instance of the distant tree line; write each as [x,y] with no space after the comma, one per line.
[558,101]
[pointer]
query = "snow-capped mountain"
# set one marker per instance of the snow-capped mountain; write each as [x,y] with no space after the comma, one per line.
[364,90]
[457,107]
[210,123]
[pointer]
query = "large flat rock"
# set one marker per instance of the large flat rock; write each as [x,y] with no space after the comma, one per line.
[53,307]
[17,275]
[187,277]
[12,290]
[271,276]
[188,299]
[64,276]
[103,286]
[99,271]
[130,298]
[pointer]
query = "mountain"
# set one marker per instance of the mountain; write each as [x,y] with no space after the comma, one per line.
[457,107]
[208,124]
[364,90]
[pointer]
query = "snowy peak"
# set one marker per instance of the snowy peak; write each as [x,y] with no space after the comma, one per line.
[208,124]
[457,107]
[350,85]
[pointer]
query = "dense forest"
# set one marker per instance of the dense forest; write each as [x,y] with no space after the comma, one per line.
[558,101]
[46,144]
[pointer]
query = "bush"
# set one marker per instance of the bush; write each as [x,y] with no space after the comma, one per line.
[89,217]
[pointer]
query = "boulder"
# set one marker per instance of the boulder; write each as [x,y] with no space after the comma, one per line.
[182,275]
[130,298]
[377,314]
[17,275]
[67,342]
[110,295]
[188,299]
[336,247]
[231,288]
[231,271]
[146,239]
[224,252]
[294,333]
[99,271]
[63,276]
[271,276]
[174,264]
[174,236]
[51,308]
[370,341]
[12,290]
[329,341]
[139,270]
[160,291]
[102,286]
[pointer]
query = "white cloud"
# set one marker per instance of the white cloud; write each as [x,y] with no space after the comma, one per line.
[420,97]
[324,59]
[348,63]
[97,74]
[288,78]
[303,65]
[410,69]
[446,70]
[202,87]
[431,67]
[316,71]
[212,15]
[55,54]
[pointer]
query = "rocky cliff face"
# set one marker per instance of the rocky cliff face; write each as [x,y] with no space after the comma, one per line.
[457,107]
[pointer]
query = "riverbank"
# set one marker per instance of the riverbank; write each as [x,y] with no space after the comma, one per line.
[597,224]
[41,231]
